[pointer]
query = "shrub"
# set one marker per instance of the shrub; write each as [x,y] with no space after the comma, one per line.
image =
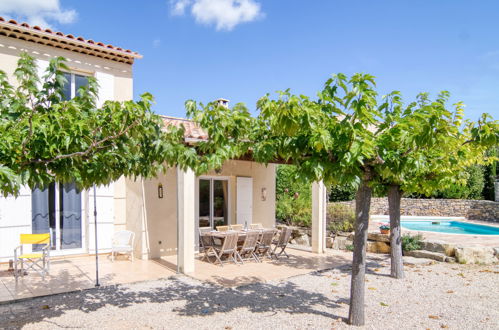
[294,211]
[342,193]
[473,188]
[411,243]
[294,197]
[341,217]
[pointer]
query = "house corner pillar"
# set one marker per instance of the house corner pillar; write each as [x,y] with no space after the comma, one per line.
[319,203]
[185,220]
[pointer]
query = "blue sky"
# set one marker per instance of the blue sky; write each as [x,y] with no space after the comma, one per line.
[204,52]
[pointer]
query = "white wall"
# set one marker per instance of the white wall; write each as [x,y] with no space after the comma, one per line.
[15,219]
[105,218]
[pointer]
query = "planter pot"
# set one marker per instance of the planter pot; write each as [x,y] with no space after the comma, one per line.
[385,231]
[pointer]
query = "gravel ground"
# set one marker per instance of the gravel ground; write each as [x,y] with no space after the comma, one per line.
[431,297]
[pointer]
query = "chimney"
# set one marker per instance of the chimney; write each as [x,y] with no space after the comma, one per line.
[223,102]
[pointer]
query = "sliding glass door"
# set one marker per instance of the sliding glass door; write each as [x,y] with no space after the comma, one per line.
[213,202]
[57,209]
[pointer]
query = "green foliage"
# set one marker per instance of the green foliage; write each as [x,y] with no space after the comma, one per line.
[294,199]
[490,174]
[473,188]
[342,193]
[411,243]
[44,138]
[288,181]
[341,217]
[294,211]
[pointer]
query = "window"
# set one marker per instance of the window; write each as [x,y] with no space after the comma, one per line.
[213,202]
[56,209]
[75,81]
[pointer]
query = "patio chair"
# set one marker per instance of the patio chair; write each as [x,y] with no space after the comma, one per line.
[236,227]
[256,226]
[228,247]
[247,250]
[222,228]
[206,242]
[122,243]
[282,242]
[264,247]
[37,261]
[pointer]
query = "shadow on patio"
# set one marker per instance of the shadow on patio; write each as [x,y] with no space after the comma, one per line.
[230,275]
[192,298]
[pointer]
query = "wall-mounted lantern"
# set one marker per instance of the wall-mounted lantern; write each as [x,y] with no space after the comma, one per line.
[160,190]
[264,194]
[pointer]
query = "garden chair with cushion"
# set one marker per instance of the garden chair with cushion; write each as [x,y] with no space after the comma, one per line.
[122,243]
[264,246]
[247,250]
[282,242]
[222,228]
[228,248]
[38,261]
[236,227]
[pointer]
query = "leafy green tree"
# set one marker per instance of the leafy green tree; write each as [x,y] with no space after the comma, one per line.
[348,135]
[45,138]
[328,139]
[423,148]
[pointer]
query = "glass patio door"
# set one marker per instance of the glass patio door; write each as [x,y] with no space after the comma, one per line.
[57,209]
[213,202]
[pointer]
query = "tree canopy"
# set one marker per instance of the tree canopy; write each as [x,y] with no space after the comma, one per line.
[45,138]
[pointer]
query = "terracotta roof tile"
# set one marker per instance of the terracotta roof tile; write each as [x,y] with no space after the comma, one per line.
[192,130]
[14,29]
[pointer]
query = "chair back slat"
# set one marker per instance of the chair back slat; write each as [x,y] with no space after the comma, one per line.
[256,226]
[204,240]
[230,242]
[222,228]
[284,237]
[35,238]
[123,237]
[250,241]
[267,237]
[236,227]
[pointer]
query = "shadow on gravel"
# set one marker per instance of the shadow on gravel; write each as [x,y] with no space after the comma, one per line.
[200,299]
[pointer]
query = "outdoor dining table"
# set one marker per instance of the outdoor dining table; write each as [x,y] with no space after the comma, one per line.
[241,234]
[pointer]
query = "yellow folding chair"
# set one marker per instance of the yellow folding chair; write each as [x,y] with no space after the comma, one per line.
[37,261]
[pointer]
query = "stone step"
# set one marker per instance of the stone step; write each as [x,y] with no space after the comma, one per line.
[426,254]
[439,246]
[417,261]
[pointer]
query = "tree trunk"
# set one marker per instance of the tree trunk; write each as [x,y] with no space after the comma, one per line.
[397,265]
[362,206]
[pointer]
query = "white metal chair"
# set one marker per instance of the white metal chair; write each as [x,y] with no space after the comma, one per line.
[122,243]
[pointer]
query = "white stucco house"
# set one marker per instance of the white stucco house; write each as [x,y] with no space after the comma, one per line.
[164,212]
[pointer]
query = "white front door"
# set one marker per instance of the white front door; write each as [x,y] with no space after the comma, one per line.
[244,204]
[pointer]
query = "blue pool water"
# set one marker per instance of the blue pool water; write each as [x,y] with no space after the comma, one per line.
[451,227]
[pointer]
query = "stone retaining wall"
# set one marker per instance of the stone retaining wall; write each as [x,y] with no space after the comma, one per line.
[470,209]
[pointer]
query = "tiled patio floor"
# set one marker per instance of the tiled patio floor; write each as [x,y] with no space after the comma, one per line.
[77,273]
[299,262]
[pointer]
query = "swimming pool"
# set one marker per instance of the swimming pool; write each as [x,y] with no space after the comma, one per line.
[450,227]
